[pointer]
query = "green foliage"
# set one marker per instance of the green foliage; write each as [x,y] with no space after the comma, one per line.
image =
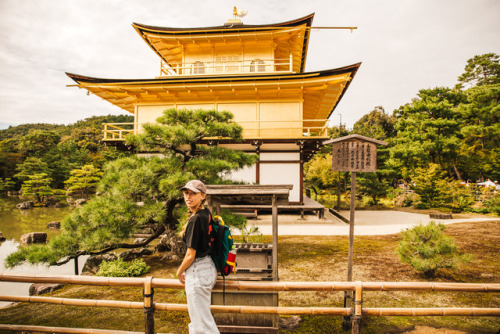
[55,149]
[106,221]
[427,131]
[493,204]
[318,172]
[120,268]
[38,142]
[376,124]
[31,166]
[426,249]
[83,180]
[369,184]
[480,130]
[6,185]
[481,70]
[37,188]
[432,186]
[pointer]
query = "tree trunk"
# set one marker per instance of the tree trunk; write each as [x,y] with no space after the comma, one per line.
[457,172]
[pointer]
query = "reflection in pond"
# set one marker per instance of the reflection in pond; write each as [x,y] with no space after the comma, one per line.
[13,224]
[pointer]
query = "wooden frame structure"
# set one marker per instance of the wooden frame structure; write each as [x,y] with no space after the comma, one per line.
[150,282]
[250,196]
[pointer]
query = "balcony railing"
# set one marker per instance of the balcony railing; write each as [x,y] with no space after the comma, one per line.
[229,67]
[258,129]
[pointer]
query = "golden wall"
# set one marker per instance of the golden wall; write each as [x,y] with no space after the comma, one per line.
[263,119]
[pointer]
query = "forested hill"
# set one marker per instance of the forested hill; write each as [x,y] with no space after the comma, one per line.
[64,130]
[53,150]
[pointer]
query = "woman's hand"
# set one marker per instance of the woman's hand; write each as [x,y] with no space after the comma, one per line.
[188,259]
[182,278]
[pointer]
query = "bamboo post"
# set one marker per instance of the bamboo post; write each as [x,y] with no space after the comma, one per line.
[275,239]
[357,308]
[149,308]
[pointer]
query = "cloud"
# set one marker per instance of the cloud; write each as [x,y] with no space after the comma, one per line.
[404,46]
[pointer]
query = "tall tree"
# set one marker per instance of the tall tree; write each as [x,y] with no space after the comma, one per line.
[106,221]
[83,180]
[481,70]
[427,131]
[378,125]
[480,130]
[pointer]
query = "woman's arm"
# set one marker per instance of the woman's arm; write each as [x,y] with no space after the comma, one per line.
[188,259]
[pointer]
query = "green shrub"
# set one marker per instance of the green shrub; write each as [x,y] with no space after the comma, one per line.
[426,249]
[120,268]
[493,204]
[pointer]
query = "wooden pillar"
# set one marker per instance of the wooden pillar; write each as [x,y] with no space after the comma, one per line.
[338,195]
[351,226]
[346,324]
[149,307]
[275,239]
[76,265]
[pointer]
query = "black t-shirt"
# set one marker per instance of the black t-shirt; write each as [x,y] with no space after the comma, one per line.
[196,235]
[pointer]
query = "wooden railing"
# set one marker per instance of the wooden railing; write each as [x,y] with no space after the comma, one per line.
[257,129]
[118,131]
[149,307]
[229,67]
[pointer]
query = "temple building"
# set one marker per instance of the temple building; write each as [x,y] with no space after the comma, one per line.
[254,71]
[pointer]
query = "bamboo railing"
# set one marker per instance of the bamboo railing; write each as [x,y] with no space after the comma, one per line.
[148,283]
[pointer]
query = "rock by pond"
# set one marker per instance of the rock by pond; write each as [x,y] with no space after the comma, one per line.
[2,238]
[55,225]
[135,253]
[41,288]
[24,205]
[33,238]
[92,265]
[81,201]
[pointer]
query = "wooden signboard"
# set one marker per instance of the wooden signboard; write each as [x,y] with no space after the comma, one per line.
[354,156]
[354,153]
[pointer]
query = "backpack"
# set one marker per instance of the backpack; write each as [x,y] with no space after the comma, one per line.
[221,246]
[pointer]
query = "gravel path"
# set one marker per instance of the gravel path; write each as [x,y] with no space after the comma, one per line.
[366,223]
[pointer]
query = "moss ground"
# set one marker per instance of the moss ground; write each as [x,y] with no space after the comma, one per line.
[308,258]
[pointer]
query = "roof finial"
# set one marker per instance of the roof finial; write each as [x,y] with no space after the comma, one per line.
[237,15]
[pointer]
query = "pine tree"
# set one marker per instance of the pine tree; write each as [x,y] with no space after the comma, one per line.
[426,249]
[37,187]
[83,180]
[180,152]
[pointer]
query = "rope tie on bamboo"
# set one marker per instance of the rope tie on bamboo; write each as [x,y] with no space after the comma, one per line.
[148,295]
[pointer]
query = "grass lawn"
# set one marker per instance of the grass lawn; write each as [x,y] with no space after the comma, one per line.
[309,258]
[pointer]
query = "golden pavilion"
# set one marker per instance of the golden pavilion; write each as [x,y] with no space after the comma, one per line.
[254,71]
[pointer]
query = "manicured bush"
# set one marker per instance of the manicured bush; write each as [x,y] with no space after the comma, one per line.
[120,268]
[426,248]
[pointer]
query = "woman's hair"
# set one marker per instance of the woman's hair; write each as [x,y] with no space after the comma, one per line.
[190,214]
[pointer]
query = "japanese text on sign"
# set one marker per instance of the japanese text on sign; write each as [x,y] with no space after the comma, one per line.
[354,156]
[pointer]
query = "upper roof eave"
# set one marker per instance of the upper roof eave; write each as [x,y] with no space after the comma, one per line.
[80,79]
[224,28]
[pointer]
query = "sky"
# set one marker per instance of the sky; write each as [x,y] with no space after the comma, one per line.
[404,46]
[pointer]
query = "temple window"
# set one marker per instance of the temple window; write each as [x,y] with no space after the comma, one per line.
[257,65]
[199,67]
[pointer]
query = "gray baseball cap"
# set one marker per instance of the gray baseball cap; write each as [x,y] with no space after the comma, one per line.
[195,186]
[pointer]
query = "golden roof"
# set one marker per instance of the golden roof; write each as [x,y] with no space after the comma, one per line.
[291,37]
[321,90]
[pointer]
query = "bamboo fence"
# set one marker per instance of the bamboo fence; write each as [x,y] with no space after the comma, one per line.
[149,283]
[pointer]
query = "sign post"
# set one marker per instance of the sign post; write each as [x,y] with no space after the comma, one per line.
[353,153]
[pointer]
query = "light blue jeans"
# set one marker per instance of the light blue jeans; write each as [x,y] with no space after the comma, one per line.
[200,279]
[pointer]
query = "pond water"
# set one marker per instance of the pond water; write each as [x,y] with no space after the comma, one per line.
[13,224]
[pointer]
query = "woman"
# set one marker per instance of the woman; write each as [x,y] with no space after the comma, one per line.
[197,271]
